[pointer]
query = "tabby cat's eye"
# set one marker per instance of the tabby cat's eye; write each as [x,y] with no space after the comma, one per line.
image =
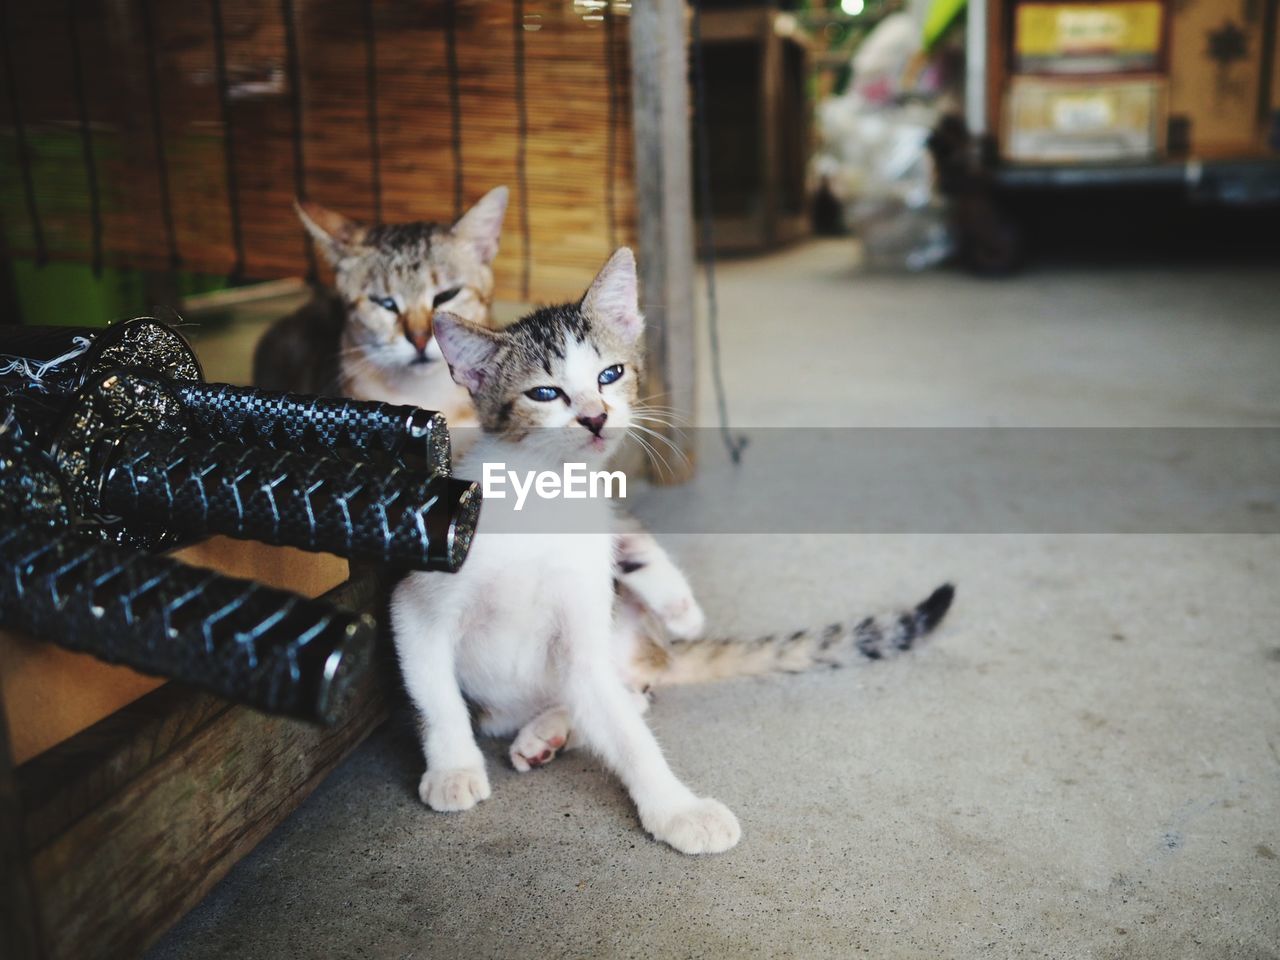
[610,374]
[386,303]
[444,296]
[543,394]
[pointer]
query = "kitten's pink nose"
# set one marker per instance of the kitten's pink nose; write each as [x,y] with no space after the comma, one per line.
[594,424]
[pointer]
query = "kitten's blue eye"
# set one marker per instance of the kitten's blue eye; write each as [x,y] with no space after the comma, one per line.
[444,296]
[543,394]
[386,303]
[610,374]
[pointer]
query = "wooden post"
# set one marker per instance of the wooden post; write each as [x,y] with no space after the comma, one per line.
[769,132]
[664,214]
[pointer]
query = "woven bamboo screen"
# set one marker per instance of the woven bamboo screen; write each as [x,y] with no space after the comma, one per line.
[156,135]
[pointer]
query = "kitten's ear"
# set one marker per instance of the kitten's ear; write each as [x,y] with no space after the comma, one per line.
[482,224]
[468,350]
[613,299]
[337,236]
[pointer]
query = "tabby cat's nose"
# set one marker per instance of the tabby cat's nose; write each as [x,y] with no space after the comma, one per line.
[594,424]
[419,339]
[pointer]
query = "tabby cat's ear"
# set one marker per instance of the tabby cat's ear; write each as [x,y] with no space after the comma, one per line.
[482,224]
[468,350]
[613,300]
[337,236]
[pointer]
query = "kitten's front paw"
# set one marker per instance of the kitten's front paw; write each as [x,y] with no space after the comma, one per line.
[683,618]
[449,791]
[704,826]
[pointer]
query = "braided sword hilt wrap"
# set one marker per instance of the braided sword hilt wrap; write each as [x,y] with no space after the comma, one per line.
[62,360]
[128,452]
[270,649]
[349,429]
[273,650]
[356,510]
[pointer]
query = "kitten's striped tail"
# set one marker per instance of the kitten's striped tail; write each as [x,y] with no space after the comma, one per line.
[838,645]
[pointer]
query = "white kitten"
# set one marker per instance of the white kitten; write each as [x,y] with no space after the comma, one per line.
[526,629]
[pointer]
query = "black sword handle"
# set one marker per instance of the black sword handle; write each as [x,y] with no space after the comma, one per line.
[273,650]
[362,510]
[351,429]
[62,360]
[356,510]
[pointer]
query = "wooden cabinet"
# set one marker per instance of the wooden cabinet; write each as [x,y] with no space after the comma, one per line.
[756,68]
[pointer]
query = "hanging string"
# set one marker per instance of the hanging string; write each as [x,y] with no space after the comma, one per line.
[20,136]
[522,137]
[157,132]
[294,66]
[611,144]
[86,139]
[734,444]
[455,100]
[228,139]
[371,106]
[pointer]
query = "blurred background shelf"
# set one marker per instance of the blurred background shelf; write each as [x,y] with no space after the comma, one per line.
[1223,181]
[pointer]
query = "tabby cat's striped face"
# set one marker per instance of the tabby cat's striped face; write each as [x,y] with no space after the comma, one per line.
[395,277]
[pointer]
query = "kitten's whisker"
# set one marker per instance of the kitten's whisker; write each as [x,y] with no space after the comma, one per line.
[670,411]
[660,421]
[665,462]
[647,405]
[658,436]
[646,402]
[648,447]
[653,455]
[663,430]
[672,415]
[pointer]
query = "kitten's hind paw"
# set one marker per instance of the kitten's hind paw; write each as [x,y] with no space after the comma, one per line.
[704,826]
[683,618]
[537,742]
[449,791]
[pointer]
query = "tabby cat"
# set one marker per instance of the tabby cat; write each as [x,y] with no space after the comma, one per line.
[371,338]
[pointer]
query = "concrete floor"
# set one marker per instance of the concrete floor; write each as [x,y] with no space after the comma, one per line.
[1084,763]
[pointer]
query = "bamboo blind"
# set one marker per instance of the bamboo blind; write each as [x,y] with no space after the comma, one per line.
[155,136]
